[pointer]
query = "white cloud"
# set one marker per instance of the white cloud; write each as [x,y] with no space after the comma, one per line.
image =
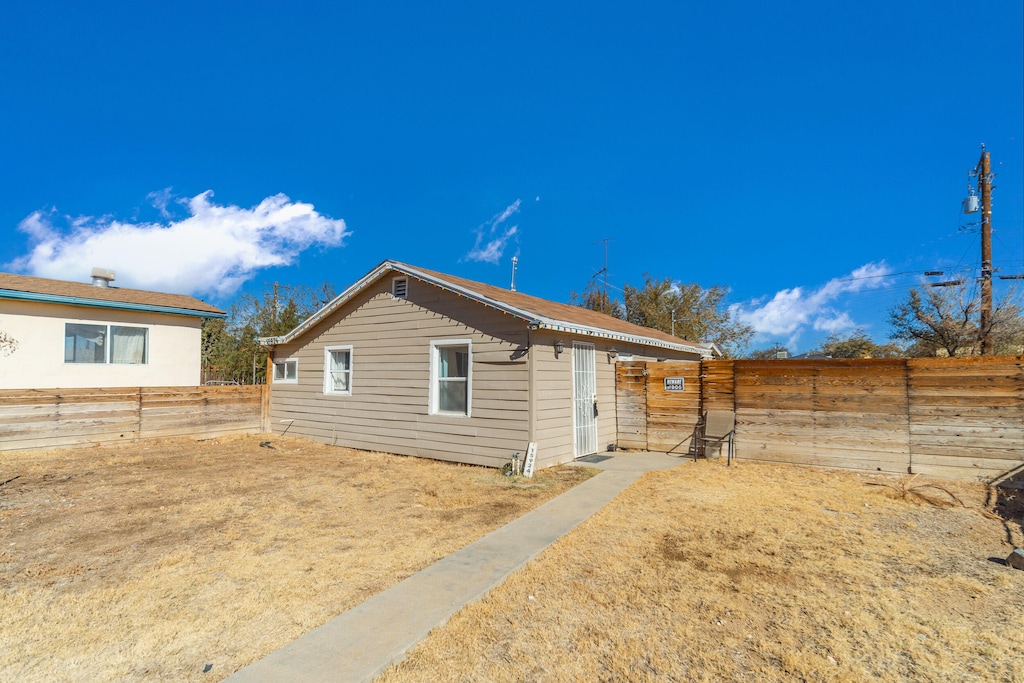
[160,200]
[791,311]
[214,250]
[492,237]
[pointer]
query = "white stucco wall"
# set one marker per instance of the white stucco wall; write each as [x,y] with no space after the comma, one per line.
[38,361]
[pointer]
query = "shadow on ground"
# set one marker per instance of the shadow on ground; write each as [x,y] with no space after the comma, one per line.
[1009,493]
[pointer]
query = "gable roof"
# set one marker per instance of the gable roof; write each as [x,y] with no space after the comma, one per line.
[38,289]
[536,312]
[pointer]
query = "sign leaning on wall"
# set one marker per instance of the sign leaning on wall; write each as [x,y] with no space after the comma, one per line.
[531,460]
[674,384]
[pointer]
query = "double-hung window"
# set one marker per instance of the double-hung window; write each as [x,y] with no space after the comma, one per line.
[338,370]
[286,371]
[118,344]
[451,377]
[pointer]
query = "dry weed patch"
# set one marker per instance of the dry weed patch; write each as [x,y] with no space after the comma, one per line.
[754,572]
[159,560]
[910,487]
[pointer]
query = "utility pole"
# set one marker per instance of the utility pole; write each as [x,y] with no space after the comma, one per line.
[275,310]
[984,173]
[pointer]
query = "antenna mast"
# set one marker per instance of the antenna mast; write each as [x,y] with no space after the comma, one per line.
[604,273]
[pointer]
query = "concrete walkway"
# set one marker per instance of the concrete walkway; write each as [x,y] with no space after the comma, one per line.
[359,644]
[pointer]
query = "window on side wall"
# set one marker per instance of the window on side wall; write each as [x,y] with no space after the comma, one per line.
[115,344]
[286,371]
[338,370]
[451,377]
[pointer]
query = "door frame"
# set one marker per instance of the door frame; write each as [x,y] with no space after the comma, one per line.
[581,353]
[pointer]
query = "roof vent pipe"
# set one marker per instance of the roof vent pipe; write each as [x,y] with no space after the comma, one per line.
[515,262]
[101,277]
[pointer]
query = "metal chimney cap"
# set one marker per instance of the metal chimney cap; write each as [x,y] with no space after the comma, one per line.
[101,277]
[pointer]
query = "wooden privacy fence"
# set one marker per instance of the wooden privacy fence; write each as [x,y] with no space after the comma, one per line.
[948,417]
[54,418]
[651,417]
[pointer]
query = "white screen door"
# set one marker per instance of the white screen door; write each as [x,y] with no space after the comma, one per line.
[584,395]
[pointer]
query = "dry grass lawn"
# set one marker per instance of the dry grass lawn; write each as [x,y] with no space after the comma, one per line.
[184,561]
[751,573]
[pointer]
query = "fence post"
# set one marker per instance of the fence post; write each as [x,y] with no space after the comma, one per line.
[265,408]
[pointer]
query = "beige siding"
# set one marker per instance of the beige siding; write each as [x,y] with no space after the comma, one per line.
[553,392]
[389,406]
[520,390]
[552,395]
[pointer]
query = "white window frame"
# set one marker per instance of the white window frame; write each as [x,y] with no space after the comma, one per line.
[284,362]
[435,345]
[108,343]
[394,287]
[328,389]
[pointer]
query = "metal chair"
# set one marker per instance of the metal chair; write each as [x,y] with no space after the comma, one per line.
[719,427]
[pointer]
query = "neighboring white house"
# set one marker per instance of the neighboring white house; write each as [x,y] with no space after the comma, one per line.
[56,334]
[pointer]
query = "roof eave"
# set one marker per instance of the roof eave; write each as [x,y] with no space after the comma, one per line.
[37,297]
[371,277]
[328,308]
[525,315]
[585,330]
[530,318]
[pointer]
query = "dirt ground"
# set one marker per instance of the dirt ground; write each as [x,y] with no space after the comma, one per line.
[754,572]
[185,561]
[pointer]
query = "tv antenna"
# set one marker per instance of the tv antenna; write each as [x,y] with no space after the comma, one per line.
[604,269]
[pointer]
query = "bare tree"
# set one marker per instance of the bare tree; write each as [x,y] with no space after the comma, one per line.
[858,344]
[688,311]
[596,298]
[230,348]
[948,319]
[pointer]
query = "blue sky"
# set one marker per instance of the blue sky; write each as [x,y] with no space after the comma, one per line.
[810,156]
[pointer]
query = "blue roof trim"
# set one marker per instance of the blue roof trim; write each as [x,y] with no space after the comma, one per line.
[99,303]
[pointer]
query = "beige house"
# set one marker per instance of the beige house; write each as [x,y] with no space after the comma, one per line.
[56,334]
[416,362]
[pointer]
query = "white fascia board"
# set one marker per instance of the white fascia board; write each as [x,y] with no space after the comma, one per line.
[537,322]
[542,322]
[328,308]
[470,294]
[371,277]
[574,328]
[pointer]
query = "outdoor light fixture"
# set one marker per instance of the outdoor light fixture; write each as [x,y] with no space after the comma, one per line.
[559,347]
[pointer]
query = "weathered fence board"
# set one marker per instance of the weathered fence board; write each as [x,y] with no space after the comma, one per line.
[966,416]
[631,404]
[950,417]
[651,416]
[55,418]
